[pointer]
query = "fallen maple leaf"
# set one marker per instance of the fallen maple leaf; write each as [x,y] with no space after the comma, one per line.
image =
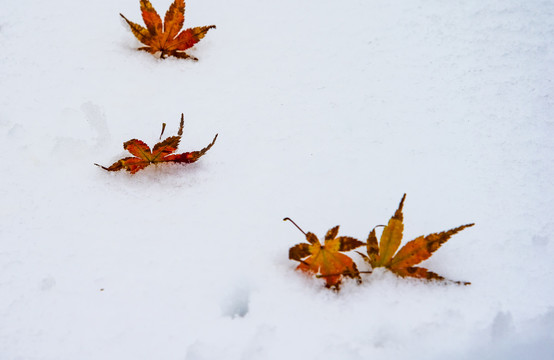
[162,152]
[326,260]
[382,254]
[166,38]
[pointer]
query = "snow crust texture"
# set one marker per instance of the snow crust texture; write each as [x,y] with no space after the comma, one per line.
[327,112]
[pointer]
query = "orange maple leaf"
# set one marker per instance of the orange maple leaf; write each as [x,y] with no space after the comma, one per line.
[382,253]
[166,38]
[326,260]
[162,152]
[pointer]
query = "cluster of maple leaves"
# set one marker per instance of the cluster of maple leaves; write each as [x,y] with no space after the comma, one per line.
[325,260]
[328,261]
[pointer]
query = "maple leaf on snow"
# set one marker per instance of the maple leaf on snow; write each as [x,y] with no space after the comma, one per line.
[382,253]
[162,152]
[326,260]
[166,38]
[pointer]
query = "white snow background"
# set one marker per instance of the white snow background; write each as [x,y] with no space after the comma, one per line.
[327,112]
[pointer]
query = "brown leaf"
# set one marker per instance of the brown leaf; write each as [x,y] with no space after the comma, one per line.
[311,238]
[422,273]
[372,248]
[348,243]
[332,233]
[165,38]
[299,251]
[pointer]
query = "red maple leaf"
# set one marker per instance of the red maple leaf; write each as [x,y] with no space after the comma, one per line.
[165,38]
[162,152]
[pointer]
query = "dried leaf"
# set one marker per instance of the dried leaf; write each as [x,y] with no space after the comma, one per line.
[326,260]
[162,152]
[422,273]
[165,38]
[372,248]
[411,254]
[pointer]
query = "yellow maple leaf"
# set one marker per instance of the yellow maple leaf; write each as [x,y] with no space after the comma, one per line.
[382,253]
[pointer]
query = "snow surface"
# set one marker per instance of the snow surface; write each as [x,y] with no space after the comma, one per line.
[327,112]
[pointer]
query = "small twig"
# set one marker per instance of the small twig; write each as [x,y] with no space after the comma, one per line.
[298,227]
[163,129]
[342,273]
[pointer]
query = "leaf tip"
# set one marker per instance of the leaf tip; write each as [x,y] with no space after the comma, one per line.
[401,205]
[124,18]
[311,238]
[181,124]
[398,213]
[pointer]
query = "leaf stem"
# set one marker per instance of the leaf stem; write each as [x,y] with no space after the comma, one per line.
[163,129]
[298,227]
[342,273]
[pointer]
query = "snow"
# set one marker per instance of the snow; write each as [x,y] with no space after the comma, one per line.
[327,112]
